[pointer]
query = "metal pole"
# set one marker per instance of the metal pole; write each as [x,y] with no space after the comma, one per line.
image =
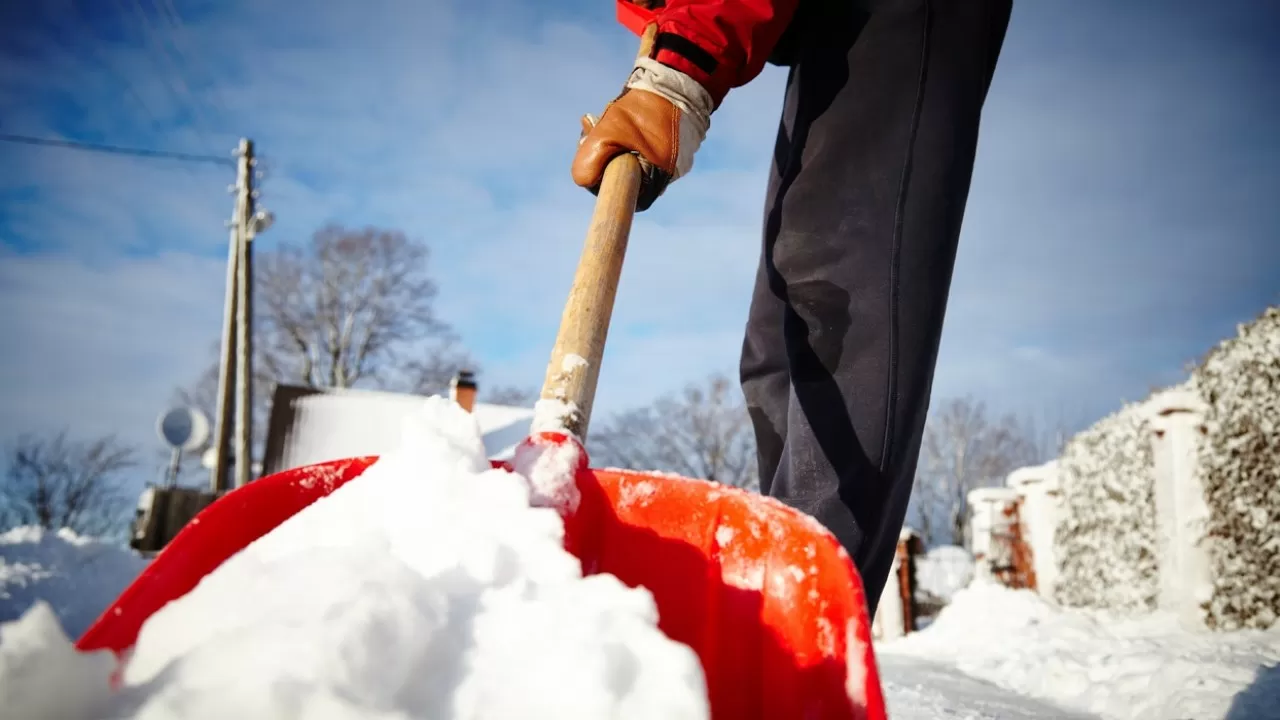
[175,461]
[244,313]
[227,361]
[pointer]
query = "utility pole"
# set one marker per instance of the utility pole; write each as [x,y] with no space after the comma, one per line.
[244,315]
[235,371]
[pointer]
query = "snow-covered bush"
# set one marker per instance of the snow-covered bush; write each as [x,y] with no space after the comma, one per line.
[1106,538]
[1240,470]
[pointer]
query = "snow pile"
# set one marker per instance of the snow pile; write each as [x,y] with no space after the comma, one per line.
[550,466]
[42,675]
[943,571]
[1240,469]
[77,576]
[1106,538]
[1136,669]
[427,587]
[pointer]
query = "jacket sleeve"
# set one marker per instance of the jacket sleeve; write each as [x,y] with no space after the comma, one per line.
[723,44]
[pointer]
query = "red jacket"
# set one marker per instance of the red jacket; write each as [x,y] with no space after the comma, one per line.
[723,44]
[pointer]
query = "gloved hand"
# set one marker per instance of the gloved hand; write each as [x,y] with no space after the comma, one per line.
[662,115]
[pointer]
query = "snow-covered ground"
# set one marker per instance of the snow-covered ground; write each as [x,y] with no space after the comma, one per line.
[76,576]
[422,588]
[1143,668]
[918,689]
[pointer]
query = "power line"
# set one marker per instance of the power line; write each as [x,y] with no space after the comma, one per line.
[75,145]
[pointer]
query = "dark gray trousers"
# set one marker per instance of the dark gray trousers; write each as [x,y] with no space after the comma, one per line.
[870,177]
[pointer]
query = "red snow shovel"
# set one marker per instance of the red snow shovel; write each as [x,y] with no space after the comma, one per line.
[765,595]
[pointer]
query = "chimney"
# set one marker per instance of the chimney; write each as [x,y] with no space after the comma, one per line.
[462,389]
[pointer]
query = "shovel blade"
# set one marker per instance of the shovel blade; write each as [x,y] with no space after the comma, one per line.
[765,596]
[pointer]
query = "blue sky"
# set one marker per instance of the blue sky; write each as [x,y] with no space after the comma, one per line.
[1123,216]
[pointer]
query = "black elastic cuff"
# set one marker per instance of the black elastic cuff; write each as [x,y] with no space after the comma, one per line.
[701,59]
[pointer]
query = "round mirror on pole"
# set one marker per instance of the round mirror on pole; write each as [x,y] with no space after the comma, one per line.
[182,429]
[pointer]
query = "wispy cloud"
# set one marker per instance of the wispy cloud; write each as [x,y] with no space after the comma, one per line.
[1120,219]
[98,346]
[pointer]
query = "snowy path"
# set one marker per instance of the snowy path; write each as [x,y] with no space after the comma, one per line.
[919,690]
[1144,667]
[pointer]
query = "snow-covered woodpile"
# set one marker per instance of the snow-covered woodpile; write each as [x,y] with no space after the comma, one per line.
[1106,537]
[1240,471]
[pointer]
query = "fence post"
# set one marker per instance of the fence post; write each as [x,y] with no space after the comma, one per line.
[1039,513]
[999,552]
[895,614]
[1176,419]
[889,622]
[910,545]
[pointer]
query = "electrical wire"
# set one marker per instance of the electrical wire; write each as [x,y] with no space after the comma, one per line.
[115,149]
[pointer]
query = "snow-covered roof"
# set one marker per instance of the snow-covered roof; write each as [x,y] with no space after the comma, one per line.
[1184,398]
[1034,475]
[992,494]
[311,425]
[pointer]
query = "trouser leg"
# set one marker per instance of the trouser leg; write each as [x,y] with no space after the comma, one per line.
[866,196]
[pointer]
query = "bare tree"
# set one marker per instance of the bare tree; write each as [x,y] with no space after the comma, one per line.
[964,449]
[511,395]
[203,393]
[347,308]
[704,432]
[55,482]
[343,307]
[433,366]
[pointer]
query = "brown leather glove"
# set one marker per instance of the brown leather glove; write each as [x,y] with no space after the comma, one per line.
[662,115]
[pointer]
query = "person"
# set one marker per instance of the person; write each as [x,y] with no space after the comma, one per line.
[870,176]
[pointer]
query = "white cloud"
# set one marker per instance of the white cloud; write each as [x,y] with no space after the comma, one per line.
[100,348]
[99,206]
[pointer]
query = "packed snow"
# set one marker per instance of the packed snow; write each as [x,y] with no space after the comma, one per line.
[428,587]
[42,676]
[77,576]
[919,689]
[1135,668]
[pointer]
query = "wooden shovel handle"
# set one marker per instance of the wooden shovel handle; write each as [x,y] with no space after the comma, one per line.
[575,360]
[570,385]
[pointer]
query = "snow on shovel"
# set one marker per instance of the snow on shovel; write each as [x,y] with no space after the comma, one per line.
[766,597]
